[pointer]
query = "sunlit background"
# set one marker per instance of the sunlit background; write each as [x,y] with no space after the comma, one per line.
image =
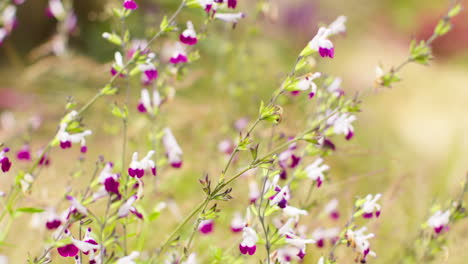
[411,140]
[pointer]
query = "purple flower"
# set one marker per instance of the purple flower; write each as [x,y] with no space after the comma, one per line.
[249,241]
[137,168]
[232,4]
[128,208]
[69,250]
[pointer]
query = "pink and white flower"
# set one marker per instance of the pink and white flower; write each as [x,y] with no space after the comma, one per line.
[128,208]
[206,226]
[307,83]
[360,241]
[189,36]
[281,198]
[249,241]
[254,191]
[321,235]
[370,206]
[315,171]
[150,73]
[179,54]
[66,139]
[173,150]
[439,221]
[342,124]
[338,26]
[118,65]
[137,167]
[56,9]
[24,153]
[331,209]
[238,223]
[76,207]
[148,104]
[335,87]
[321,44]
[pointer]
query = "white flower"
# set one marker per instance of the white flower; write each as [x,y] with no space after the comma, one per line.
[238,223]
[192,259]
[282,197]
[148,104]
[129,259]
[254,192]
[76,205]
[293,212]
[288,227]
[360,241]
[230,17]
[342,124]
[315,171]
[173,150]
[334,87]
[57,9]
[307,83]
[9,17]
[338,26]
[439,220]
[128,207]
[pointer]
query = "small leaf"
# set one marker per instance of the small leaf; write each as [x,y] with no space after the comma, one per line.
[30,210]
[455,11]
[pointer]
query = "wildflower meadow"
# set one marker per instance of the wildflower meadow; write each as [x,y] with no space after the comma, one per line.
[233,131]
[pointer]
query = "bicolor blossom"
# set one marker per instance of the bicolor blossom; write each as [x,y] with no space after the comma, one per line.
[179,54]
[371,206]
[238,223]
[254,191]
[321,44]
[342,124]
[321,235]
[110,183]
[150,73]
[307,83]
[8,18]
[331,209]
[282,197]
[66,139]
[189,36]
[335,87]
[24,153]
[76,207]
[56,9]
[173,150]
[118,65]
[300,244]
[148,104]
[137,167]
[226,146]
[439,221]
[4,160]
[53,221]
[206,226]
[315,171]
[249,241]
[286,159]
[130,5]
[360,241]
[127,208]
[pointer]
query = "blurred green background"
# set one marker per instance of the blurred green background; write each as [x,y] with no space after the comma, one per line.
[411,141]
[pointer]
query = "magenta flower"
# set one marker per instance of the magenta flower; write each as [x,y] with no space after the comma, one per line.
[24,153]
[206,227]
[128,208]
[189,36]
[148,104]
[4,160]
[150,73]
[69,250]
[130,5]
[179,54]
[249,241]
[238,223]
[232,4]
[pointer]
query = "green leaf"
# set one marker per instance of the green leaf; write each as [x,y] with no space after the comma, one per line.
[164,24]
[455,11]
[443,27]
[30,210]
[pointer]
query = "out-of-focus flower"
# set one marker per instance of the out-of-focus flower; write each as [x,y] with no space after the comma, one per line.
[238,223]
[360,241]
[192,259]
[439,220]
[130,5]
[338,26]
[189,36]
[321,44]
[76,206]
[137,167]
[179,55]
[148,104]
[249,241]
[56,9]
[226,146]
[321,235]
[307,83]
[206,226]
[281,198]
[331,209]
[150,73]
[335,87]
[24,153]
[173,150]
[370,206]
[342,124]
[230,17]
[118,65]
[4,160]
[128,208]
[254,192]
[315,171]
[130,259]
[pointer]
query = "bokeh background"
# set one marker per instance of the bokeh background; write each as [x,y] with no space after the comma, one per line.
[411,141]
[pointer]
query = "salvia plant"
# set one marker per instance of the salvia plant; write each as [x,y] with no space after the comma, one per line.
[99,220]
